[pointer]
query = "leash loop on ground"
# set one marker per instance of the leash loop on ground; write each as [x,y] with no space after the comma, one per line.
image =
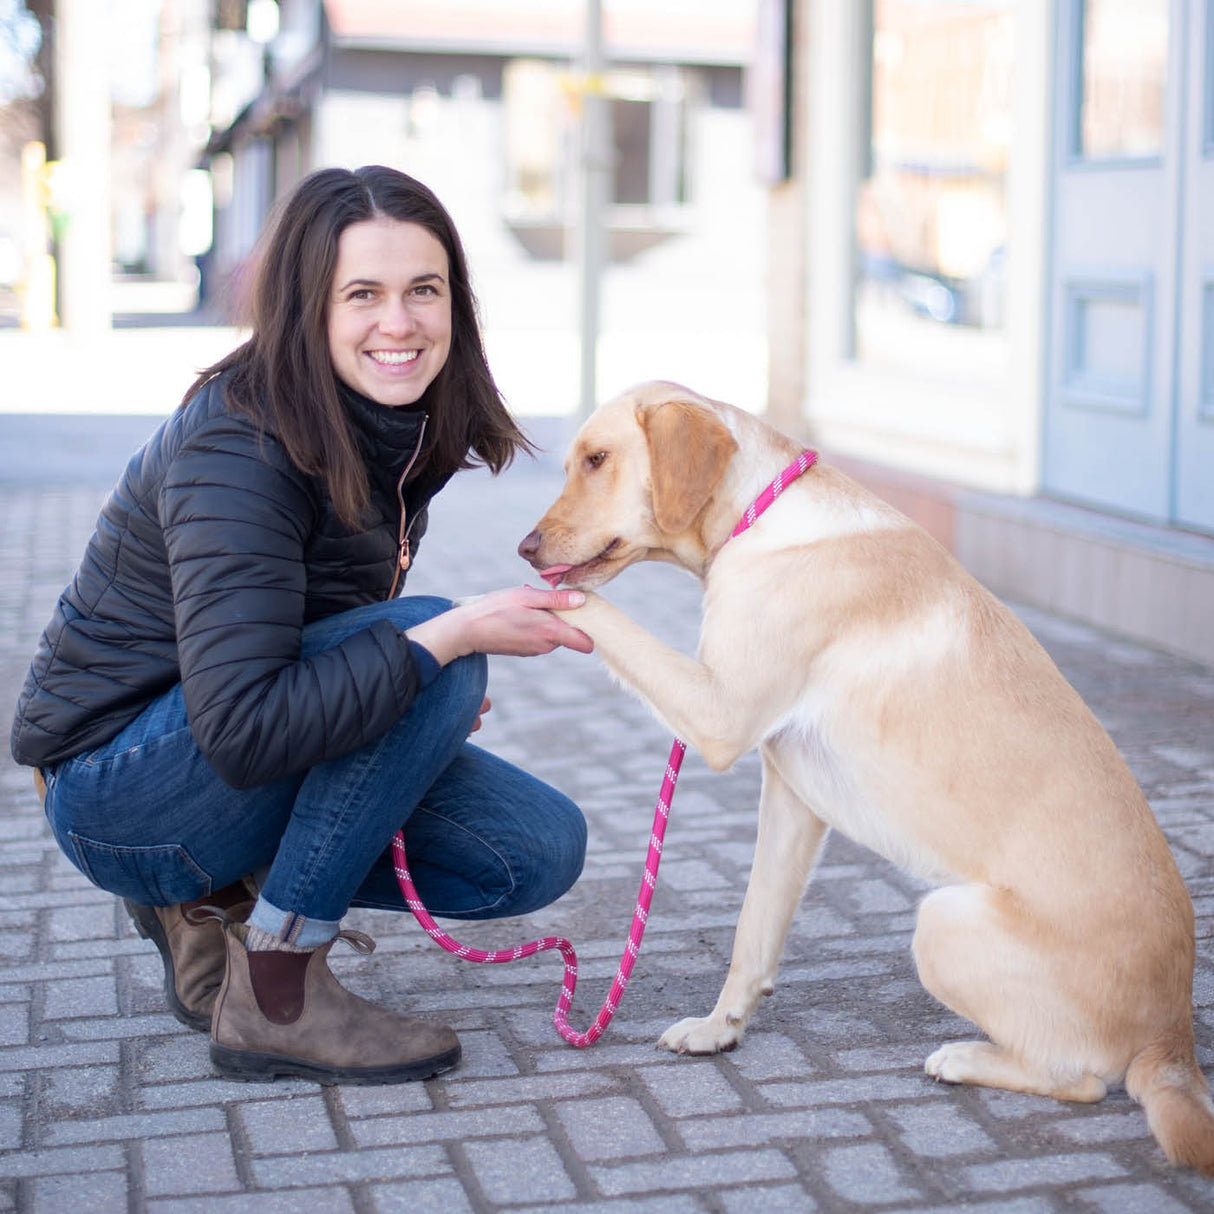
[632,948]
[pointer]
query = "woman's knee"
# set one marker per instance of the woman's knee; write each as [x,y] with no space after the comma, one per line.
[559,852]
[413,609]
[573,835]
[465,678]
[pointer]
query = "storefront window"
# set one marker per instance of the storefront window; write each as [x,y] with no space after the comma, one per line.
[648,129]
[1124,59]
[931,217]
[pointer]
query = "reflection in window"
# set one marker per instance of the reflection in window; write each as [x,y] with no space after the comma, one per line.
[1125,49]
[931,219]
[539,142]
[648,119]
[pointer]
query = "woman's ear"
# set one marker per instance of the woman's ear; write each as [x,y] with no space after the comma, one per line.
[689,450]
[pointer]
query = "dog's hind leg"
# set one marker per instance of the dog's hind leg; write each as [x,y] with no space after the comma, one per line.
[975,953]
[788,840]
[994,1067]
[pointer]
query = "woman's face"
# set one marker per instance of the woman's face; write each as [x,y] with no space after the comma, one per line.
[389,310]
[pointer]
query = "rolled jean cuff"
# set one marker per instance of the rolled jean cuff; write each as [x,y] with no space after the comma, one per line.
[292,928]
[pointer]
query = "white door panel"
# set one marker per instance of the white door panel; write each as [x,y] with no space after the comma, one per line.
[1111,386]
[1194,498]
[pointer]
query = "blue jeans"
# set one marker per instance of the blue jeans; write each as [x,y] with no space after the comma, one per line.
[146,818]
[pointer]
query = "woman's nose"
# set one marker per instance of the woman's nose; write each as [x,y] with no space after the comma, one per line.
[396,318]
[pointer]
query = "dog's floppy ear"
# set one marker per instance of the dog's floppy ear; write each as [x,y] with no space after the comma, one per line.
[689,450]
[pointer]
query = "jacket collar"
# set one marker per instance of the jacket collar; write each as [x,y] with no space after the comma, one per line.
[387,437]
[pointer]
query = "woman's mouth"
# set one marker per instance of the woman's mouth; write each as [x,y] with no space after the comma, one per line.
[393,358]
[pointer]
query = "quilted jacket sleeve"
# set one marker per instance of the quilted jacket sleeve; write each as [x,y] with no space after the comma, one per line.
[235,516]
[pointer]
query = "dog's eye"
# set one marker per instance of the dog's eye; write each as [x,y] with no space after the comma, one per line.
[596,460]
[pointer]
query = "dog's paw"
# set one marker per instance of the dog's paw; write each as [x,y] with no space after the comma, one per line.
[701,1035]
[952,1063]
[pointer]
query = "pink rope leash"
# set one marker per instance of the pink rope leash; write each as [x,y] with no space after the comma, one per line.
[632,949]
[649,880]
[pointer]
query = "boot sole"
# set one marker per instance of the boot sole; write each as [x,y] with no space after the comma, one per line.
[247,1066]
[149,927]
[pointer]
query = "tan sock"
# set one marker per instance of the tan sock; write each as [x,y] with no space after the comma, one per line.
[258,940]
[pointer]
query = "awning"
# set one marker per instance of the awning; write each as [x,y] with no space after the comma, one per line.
[670,31]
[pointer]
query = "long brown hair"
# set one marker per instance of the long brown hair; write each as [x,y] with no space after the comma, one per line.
[283,376]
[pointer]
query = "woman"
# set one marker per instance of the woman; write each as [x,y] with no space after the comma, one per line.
[230,707]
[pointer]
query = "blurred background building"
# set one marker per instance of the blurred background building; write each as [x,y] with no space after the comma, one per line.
[1001,221]
[965,246]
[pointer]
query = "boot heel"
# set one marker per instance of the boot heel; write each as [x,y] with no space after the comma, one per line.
[242,1066]
[149,926]
[145,922]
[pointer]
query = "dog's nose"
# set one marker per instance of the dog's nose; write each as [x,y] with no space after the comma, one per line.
[530,546]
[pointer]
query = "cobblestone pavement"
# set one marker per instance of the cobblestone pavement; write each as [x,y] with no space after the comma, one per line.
[108,1104]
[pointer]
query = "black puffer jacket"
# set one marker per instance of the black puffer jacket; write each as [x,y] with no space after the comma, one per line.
[209,557]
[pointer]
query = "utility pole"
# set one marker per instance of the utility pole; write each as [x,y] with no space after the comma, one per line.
[44,12]
[596,196]
[82,114]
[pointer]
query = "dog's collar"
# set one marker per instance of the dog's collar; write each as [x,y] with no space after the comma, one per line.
[798,467]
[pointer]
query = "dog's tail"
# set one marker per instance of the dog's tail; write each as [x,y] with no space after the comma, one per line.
[1166,1080]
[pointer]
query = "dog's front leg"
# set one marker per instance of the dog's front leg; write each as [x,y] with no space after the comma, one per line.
[722,718]
[790,834]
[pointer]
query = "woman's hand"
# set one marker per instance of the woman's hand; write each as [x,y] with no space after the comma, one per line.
[517,622]
[485,706]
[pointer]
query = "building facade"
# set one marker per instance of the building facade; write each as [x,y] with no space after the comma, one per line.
[481,101]
[1003,292]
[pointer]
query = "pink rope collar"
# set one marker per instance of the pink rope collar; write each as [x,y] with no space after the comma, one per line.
[649,882]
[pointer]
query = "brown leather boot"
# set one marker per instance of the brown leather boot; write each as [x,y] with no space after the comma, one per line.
[192,949]
[284,1013]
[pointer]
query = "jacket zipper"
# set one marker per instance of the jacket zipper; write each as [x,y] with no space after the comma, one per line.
[402,535]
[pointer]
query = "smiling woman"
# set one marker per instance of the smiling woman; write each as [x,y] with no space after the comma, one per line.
[230,708]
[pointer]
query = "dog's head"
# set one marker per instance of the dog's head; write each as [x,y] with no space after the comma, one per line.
[639,478]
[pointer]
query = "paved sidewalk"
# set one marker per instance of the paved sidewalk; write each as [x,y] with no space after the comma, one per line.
[110,1105]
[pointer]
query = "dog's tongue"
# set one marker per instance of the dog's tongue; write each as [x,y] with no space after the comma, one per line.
[553,574]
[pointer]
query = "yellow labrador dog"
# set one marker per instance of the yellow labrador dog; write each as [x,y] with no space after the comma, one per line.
[896,700]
